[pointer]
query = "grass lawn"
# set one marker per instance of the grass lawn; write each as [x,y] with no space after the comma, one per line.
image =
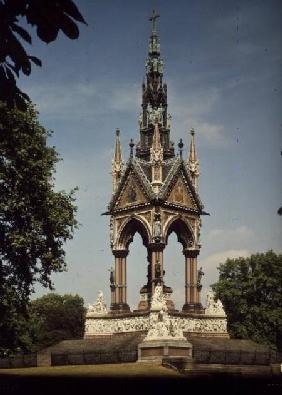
[127,379]
[129,370]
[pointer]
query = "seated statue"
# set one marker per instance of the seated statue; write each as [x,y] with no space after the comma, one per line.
[100,306]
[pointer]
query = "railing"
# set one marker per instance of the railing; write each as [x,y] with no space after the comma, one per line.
[238,357]
[94,357]
[19,361]
[204,356]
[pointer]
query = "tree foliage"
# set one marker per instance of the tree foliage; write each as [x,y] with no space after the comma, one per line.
[35,221]
[46,321]
[49,17]
[14,325]
[55,317]
[251,292]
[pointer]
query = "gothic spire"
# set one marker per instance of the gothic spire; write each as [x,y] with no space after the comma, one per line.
[117,155]
[153,18]
[154,100]
[156,145]
[154,46]
[117,162]
[156,157]
[193,162]
[193,153]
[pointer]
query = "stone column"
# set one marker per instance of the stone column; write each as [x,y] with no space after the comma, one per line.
[192,292]
[119,299]
[156,250]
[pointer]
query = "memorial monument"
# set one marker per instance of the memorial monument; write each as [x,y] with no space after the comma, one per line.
[155,193]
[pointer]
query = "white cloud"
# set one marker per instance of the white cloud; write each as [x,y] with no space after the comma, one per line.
[193,110]
[92,99]
[224,238]
[126,98]
[214,260]
[211,263]
[240,232]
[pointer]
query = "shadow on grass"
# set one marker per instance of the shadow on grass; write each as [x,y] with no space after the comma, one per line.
[223,384]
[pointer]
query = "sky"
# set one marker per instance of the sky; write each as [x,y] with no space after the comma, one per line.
[223,71]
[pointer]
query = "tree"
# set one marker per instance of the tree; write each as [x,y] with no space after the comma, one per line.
[54,318]
[14,325]
[49,17]
[250,290]
[35,221]
[48,320]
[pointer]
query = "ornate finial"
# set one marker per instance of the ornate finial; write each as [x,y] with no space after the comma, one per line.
[117,162]
[117,155]
[153,18]
[193,162]
[180,146]
[193,154]
[131,145]
[156,143]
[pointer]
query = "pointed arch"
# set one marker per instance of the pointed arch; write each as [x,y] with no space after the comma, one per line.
[183,230]
[130,227]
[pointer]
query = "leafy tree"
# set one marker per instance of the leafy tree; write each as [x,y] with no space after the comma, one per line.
[48,320]
[14,326]
[250,290]
[35,221]
[49,17]
[54,318]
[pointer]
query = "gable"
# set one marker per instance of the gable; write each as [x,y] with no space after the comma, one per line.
[180,194]
[131,193]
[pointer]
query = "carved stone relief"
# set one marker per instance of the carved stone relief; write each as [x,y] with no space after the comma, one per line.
[167,215]
[131,194]
[214,307]
[159,322]
[147,216]
[204,325]
[99,308]
[180,194]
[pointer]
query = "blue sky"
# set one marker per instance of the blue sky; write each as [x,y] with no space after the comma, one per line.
[223,70]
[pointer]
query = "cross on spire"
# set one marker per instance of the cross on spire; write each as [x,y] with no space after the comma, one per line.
[153,18]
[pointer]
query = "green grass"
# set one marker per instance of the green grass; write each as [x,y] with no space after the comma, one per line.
[108,370]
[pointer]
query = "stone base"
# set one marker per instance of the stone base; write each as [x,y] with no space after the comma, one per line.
[156,350]
[143,305]
[43,358]
[145,293]
[193,308]
[117,308]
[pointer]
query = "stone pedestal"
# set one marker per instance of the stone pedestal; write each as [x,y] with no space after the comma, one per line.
[117,308]
[43,358]
[196,308]
[156,350]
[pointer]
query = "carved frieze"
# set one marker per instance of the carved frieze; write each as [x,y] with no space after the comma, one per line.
[203,325]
